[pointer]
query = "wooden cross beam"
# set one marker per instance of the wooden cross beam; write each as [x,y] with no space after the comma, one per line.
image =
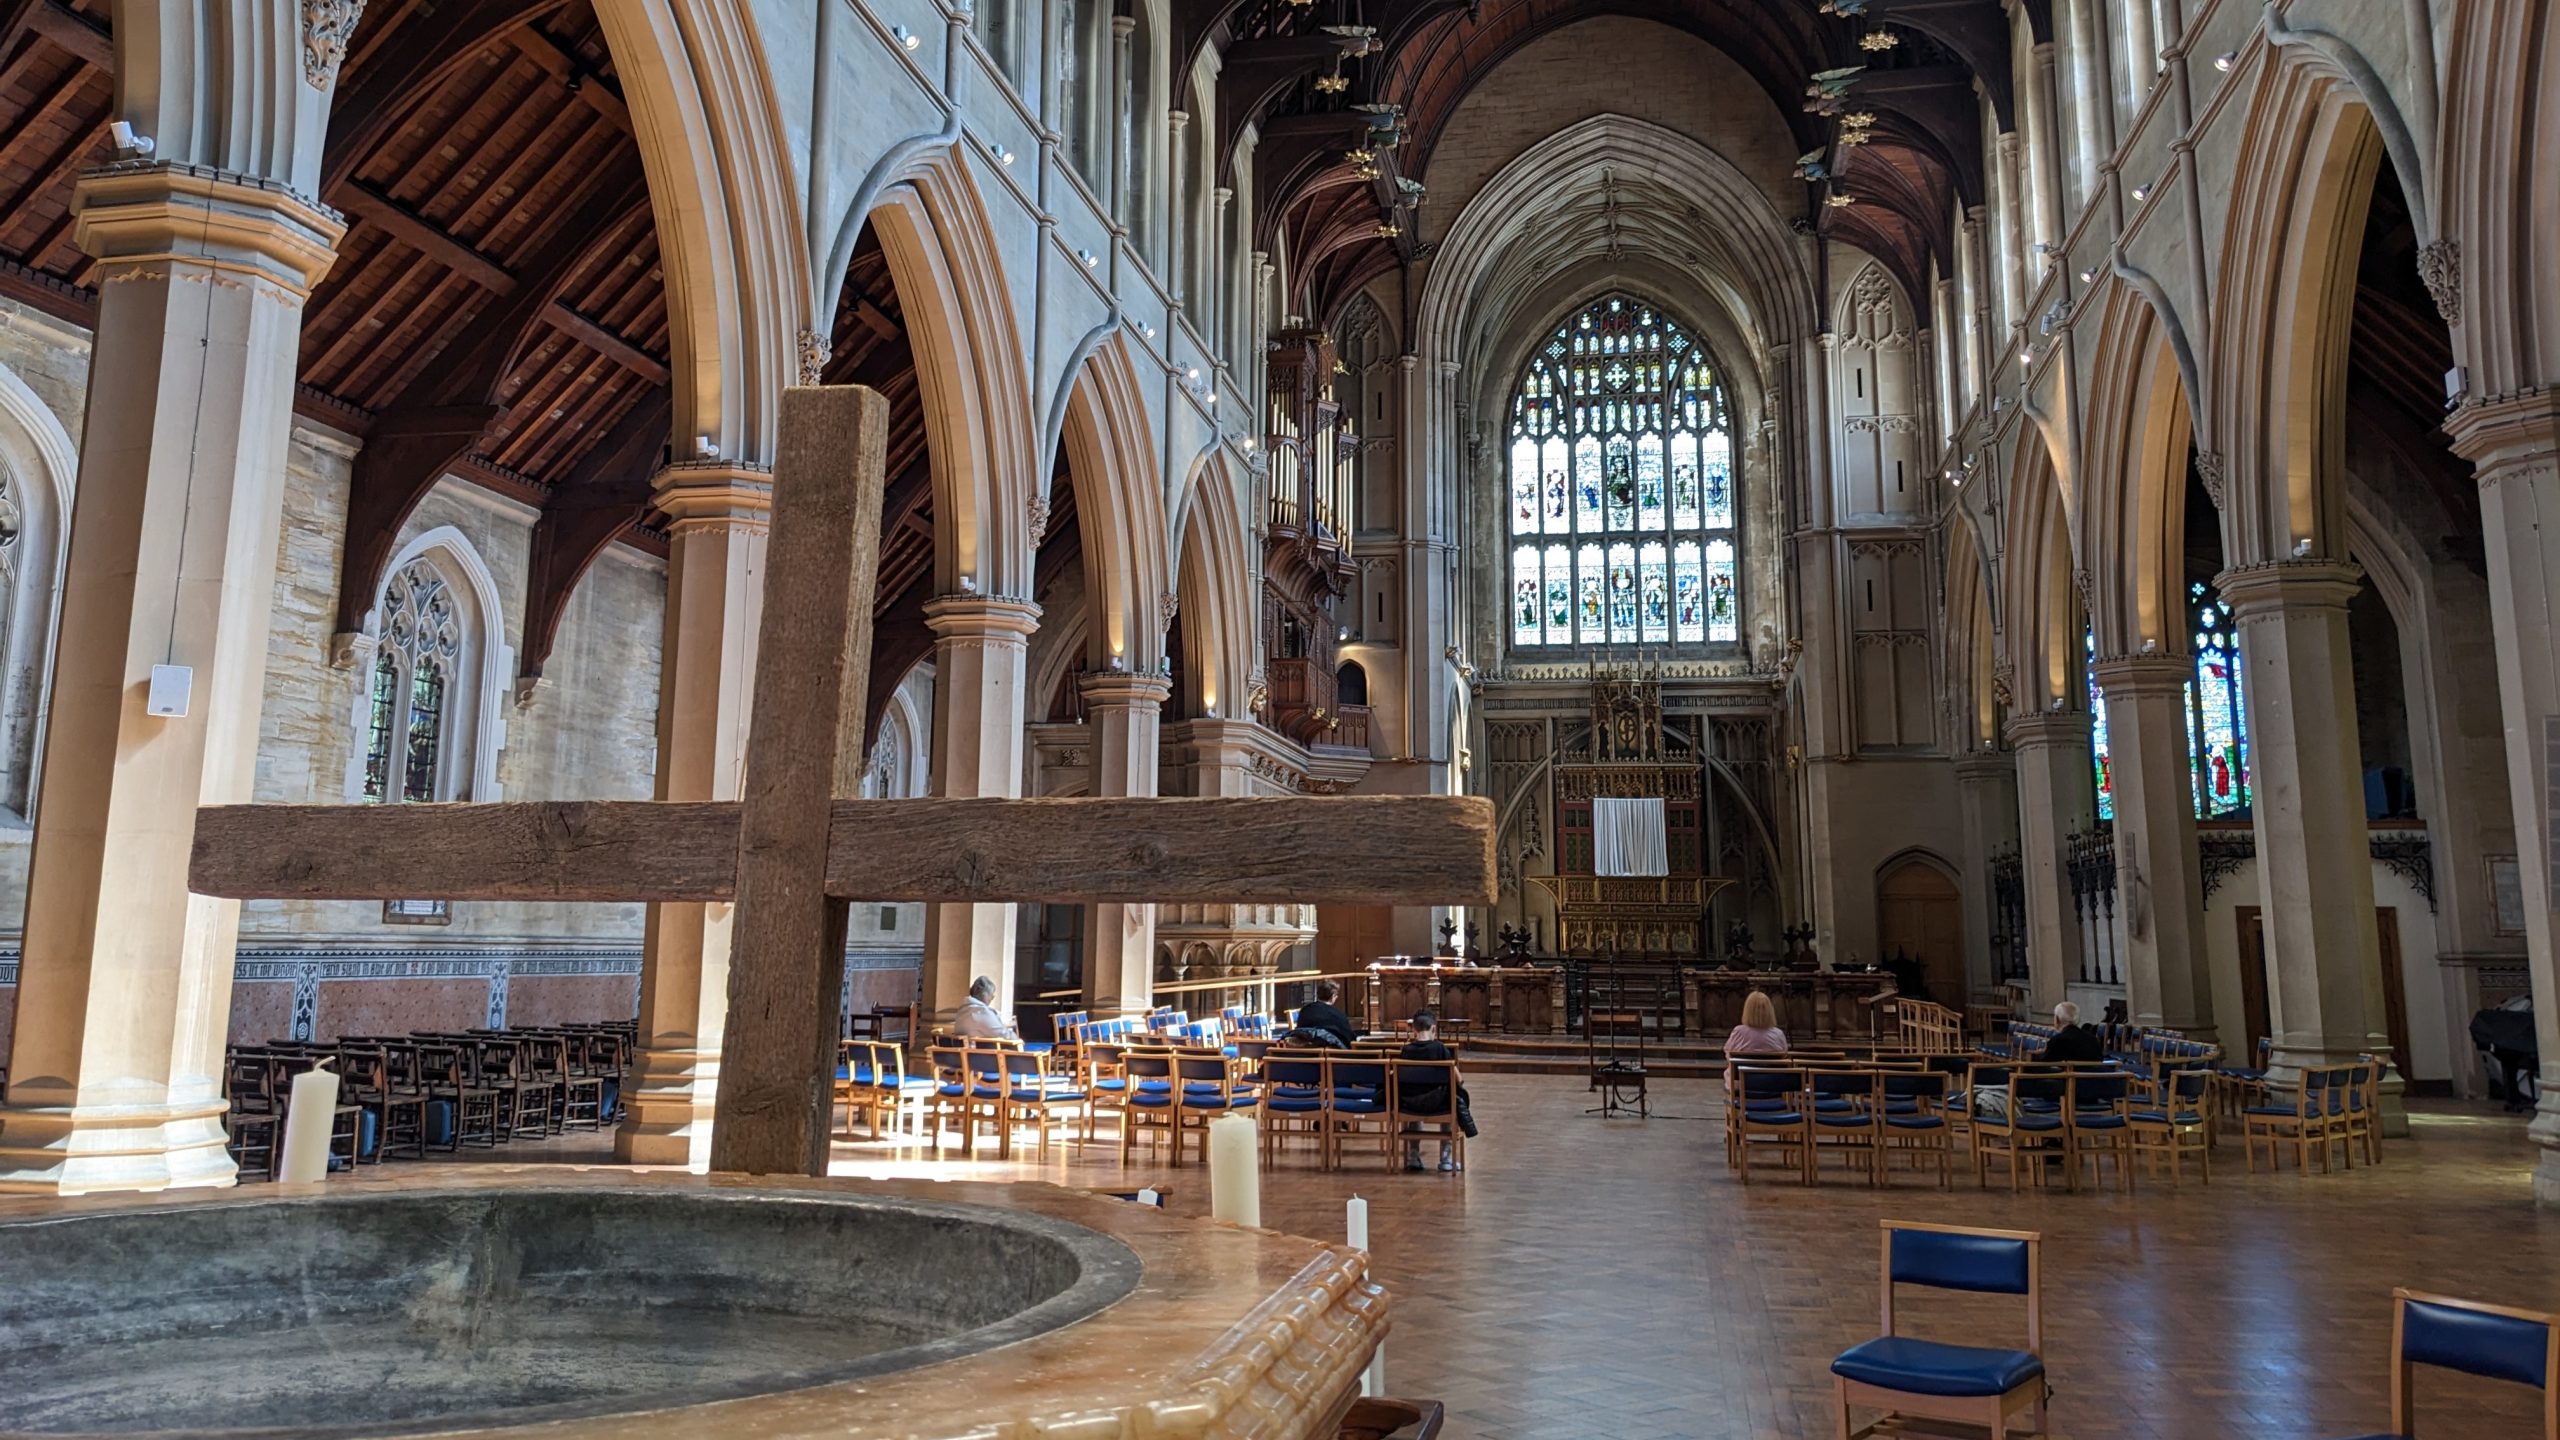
[799,846]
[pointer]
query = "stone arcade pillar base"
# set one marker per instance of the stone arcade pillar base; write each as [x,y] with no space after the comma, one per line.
[1125,712]
[2515,442]
[978,709]
[124,999]
[2160,892]
[2306,782]
[715,602]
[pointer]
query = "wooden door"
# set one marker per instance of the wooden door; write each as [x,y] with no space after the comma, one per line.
[2253,984]
[1919,913]
[2395,995]
[1350,936]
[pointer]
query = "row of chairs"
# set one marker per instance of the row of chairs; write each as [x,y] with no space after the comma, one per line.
[401,1096]
[1910,1379]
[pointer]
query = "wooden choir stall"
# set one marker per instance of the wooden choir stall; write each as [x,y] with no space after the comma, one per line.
[1515,999]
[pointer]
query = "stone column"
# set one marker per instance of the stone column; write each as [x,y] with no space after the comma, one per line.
[124,992]
[2159,891]
[706,677]
[2306,783]
[980,644]
[2056,798]
[1124,712]
[1987,793]
[2515,443]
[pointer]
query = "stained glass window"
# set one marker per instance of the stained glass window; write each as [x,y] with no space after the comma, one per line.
[2217,720]
[420,642]
[2101,758]
[1621,464]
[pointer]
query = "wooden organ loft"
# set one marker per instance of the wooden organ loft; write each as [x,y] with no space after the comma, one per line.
[1306,556]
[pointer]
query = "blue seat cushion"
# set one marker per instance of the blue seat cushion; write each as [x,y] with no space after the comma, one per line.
[1204,1102]
[2284,1112]
[1846,1122]
[1293,1104]
[2025,1122]
[1153,1099]
[1915,1122]
[953,1090]
[1926,1367]
[1772,1117]
[1356,1105]
[1832,1105]
[2102,1120]
[2161,1117]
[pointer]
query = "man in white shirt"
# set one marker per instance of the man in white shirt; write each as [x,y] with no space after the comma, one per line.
[978,1019]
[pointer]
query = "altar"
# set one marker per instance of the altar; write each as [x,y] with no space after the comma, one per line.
[1512,999]
[1812,1005]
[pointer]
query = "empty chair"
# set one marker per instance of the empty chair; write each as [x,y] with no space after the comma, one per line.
[1848,1117]
[2095,1129]
[2490,1341]
[1149,1101]
[1291,1102]
[2306,1121]
[1930,1379]
[1031,1091]
[2022,1124]
[1769,1108]
[2181,1126]
[1915,1121]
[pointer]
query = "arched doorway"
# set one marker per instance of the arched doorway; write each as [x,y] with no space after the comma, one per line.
[1920,914]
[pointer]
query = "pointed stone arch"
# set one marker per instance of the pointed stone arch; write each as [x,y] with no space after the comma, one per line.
[2489,268]
[2041,601]
[1215,586]
[2136,441]
[970,371]
[1120,512]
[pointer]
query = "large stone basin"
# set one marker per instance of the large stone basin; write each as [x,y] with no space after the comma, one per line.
[613,1304]
[389,1312]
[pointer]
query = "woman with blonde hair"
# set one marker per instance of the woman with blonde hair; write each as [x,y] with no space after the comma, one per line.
[1758,1034]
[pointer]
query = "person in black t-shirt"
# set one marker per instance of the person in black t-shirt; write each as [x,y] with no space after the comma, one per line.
[1325,1014]
[1432,1099]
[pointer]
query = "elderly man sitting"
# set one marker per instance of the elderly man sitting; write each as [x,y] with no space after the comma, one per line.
[978,1018]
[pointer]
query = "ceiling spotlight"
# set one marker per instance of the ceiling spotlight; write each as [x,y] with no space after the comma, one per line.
[1839,202]
[906,37]
[2224,61]
[1194,372]
[2088,275]
[1089,258]
[2151,647]
[2141,192]
[2302,548]
[1147,330]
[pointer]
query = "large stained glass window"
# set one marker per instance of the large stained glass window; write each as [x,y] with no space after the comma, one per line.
[1622,492]
[2217,723]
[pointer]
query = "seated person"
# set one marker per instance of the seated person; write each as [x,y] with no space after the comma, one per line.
[2071,1039]
[978,1019]
[1758,1034]
[1432,1099]
[1324,1014]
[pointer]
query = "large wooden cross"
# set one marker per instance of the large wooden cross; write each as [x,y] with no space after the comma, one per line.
[799,846]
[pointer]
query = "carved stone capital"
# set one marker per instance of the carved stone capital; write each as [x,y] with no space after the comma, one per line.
[2440,267]
[2259,592]
[327,25]
[816,349]
[141,218]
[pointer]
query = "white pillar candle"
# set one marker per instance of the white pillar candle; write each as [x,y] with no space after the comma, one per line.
[1355,1225]
[308,1118]
[1235,1181]
[1355,1222]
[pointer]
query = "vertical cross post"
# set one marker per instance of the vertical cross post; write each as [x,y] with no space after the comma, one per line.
[813,663]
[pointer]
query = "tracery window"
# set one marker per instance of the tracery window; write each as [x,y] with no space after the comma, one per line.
[1622,487]
[2217,717]
[412,669]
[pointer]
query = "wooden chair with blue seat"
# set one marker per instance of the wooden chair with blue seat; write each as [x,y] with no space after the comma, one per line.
[2494,1342]
[1915,1121]
[2178,1124]
[1032,1092]
[895,1094]
[2095,1128]
[1769,1108]
[1355,1104]
[1848,1118]
[2362,1119]
[1912,1379]
[2306,1120]
[1211,1087]
[1149,1101]
[1291,1101]
[2023,1127]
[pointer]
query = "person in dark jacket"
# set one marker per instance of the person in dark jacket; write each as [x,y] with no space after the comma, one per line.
[1432,1099]
[2071,1039]
[1325,1013]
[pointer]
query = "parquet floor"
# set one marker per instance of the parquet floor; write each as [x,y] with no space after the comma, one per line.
[1609,1280]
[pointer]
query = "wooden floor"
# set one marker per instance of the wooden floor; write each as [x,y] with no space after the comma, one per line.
[1589,1279]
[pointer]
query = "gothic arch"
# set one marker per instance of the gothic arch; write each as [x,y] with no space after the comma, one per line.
[1119,509]
[2286,300]
[1973,639]
[38,461]
[489,661]
[721,187]
[2136,440]
[2041,605]
[2492,260]
[970,370]
[1219,614]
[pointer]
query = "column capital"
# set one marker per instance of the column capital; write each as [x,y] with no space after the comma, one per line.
[714,496]
[2509,430]
[1123,689]
[2052,727]
[2131,675]
[134,216]
[1985,765]
[2288,585]
[966,617]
